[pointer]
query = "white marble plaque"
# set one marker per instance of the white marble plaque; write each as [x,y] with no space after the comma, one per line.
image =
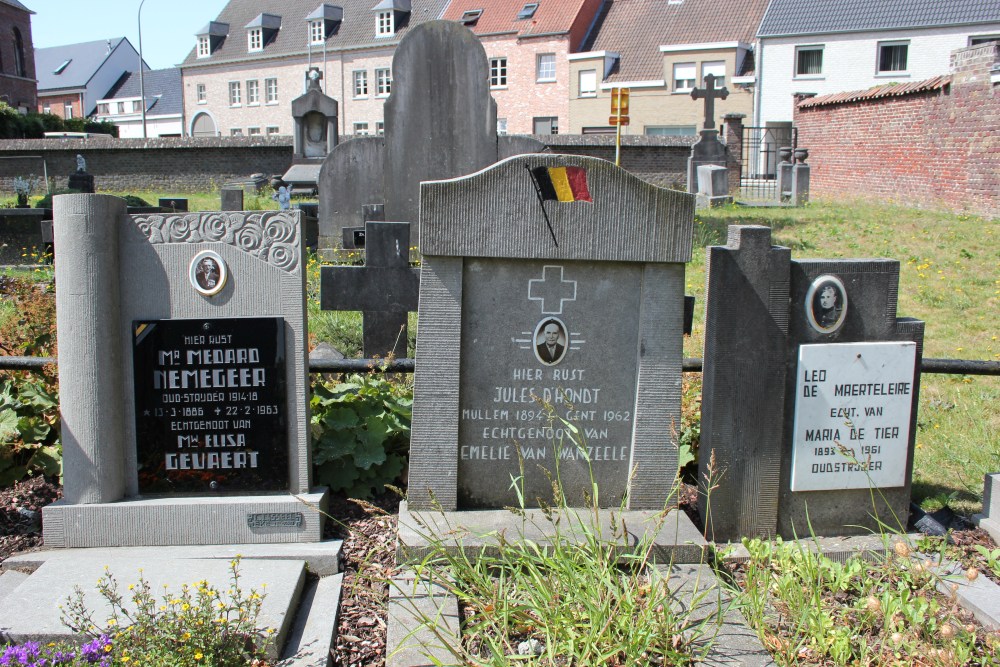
[852,415]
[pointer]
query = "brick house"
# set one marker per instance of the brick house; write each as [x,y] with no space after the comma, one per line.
[18,87]
[830,47]
[528,45]
[661,50]
[250,62]
[72,78]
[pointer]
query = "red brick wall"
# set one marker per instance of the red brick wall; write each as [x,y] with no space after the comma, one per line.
[935,148]
[56,104]
[17,91]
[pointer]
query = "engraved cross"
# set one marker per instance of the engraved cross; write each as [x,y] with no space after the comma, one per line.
[551,290]
[709,93]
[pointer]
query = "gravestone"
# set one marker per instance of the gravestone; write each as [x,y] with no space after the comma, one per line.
[806,458]
[989,519]
[183,378]
[385,289]
[708,150]
[80,180]
[440,122]
[232,199]
[713,185]
[315,118]
[544,305]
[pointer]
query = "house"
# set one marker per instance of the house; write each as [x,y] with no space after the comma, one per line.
[660,50]
[528,45]
[164,104]
[18,87]
[72,78]
[251,62]
[848,45]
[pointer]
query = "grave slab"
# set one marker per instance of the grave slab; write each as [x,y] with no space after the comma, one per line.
[10,580]
[696,589]
[312,636]
[409,642]
[674,536]
[980,596]
[322,558]
[31,612]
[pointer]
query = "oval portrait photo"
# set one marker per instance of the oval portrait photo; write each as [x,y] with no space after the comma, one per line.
[550,341]
[208,272]
[826,304]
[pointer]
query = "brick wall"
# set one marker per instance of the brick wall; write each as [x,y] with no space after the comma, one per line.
[57,104]
[197,164]
[937,148]
[17,91]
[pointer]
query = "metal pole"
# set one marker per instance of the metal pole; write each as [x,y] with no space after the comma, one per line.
[142,83]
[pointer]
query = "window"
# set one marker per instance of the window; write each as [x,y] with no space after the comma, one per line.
[63,66]
[253,131]
[546,125]
[527,11]
[670,130]
[271,91]
[498,72]
[46,109]
[136,106]
[20,68]
[545,67]
[384,24]
[470,16]
[272,130]
[317,33]
[236,132]
[716,67]
[255,39]
[892,57]
[983,39]
[383,81]
[103,109]
[121,107]
[380,127]
[234,93]
[808,60]
[361,129]
[253,91]
[67,110]
[683,77]
[361,83]
[501,126]
[588,83]
[202,95]
[204,47]
[600,129]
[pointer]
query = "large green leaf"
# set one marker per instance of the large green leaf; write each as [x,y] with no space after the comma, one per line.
[48,460]
[337,475]
[33,429]
[35,395]
[340,418]
[334,445]
[8,425]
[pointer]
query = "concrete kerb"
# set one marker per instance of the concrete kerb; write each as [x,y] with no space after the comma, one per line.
[313,635]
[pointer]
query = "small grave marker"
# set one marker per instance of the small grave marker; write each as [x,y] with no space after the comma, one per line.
[385,289]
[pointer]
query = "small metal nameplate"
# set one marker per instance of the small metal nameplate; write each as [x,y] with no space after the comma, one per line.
[275,520]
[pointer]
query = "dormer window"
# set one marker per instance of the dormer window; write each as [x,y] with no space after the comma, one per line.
[255,39]
[204,47]
[211,38]
[385,25]
[317,32]
[527,11]
[65,64]
[470,17]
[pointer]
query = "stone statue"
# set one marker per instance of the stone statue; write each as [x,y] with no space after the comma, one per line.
[284,198]
[81,164]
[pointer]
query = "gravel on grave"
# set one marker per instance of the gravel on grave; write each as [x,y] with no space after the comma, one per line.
[369,533]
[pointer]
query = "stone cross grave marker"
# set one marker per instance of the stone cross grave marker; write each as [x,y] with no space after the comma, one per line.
[708,150]
[385,289]
[544,313]
[183,378]
[440,122]
[811,402]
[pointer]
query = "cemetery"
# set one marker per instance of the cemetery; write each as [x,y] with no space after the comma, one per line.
[458,410]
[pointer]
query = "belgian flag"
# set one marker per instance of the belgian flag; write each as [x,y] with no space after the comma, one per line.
[563,184]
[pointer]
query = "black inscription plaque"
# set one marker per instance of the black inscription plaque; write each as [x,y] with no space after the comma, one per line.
[210,406]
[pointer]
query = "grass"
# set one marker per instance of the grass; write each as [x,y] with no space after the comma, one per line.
[948,277]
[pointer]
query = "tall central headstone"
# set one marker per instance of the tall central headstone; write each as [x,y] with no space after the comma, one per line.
[549,340]
[440,122]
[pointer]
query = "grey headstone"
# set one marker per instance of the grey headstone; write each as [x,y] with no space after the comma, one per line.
[81,181]
[871,287]
[104,253]
[440,122]
[707,151]
[232,199]
[713,180]
[989,519]
[490,283]
[743,383]
[315,116]
[800,184]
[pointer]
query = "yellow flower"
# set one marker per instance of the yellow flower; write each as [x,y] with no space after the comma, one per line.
[185,606]
[199,655]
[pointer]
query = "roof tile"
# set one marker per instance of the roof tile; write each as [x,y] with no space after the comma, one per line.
[807,17]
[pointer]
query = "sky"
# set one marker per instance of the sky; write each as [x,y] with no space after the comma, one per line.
[168,26]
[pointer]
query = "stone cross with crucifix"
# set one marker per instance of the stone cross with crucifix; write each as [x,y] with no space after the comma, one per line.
[709,93]
[385,289]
